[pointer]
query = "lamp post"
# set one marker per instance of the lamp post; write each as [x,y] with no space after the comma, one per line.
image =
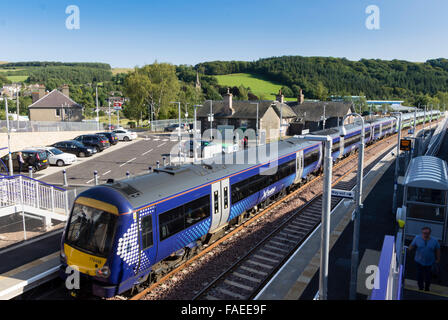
[358,199]
[97,111]
[397,164]
[110,124]
[11,172]
[178,131]
[256,125]
[195,155]
[326,209]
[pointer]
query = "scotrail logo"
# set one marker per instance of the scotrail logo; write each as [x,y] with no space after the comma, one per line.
[268,193]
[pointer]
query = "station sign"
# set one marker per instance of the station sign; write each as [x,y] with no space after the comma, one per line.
[405,144]
[343,194]
[117,105]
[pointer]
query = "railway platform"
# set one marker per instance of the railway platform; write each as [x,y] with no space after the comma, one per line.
[25,266]
[298,278]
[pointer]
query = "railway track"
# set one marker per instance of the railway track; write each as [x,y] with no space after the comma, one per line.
[245,278]
[313,215]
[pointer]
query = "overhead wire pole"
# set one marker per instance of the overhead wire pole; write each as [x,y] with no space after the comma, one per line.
[397,163]
[18,103]
[256,125]
[11,172]
[326,210]
[195,154]
[358,199]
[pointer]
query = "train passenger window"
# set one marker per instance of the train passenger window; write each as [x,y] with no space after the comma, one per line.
[171,222]
[197,210]
[311,157]
[226,197]
[147,241]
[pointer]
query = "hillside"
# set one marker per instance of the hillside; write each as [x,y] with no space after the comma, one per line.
[377,79]
[264,89]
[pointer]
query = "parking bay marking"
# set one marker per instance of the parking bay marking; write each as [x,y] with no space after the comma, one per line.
[127,162]
[107,172]
[161,145]
[147,152]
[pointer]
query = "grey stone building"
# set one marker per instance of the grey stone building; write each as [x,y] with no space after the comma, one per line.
[237,114]
[54,106]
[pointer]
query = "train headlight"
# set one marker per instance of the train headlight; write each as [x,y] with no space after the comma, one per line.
[103,272]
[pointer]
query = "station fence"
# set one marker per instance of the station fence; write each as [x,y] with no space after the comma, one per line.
[49,126]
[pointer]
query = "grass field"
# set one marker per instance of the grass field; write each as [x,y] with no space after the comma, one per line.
[121,70]
[17,78]
[261,87]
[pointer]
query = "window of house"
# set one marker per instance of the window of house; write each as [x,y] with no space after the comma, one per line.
[58,112]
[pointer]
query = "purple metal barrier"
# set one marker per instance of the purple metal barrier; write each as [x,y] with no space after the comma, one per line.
[384,269]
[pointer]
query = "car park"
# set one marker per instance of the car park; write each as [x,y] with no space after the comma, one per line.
[36,159]
[58,157]
[125,135]
[113,138]
[75,147]
[96,141]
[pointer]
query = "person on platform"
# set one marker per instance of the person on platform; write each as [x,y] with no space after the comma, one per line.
[426,255]
[20,161]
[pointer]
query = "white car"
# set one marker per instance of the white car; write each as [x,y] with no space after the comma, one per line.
[57,157]
[125,135]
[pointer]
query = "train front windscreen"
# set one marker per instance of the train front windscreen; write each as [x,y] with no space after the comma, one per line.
[91,230]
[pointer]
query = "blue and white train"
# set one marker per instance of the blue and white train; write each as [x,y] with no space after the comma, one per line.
[127,233]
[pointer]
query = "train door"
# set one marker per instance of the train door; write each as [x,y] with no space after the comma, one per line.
[225,201]
[299,166]
[148,237]
[220,203]
[216,205]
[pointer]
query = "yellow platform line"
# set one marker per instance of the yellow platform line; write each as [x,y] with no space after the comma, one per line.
[436,289]
[28,266]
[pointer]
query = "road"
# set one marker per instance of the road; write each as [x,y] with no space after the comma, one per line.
[135,158]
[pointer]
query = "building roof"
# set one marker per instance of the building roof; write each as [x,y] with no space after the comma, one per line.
[55,99]
[427,172]
[313,111]
[245,109]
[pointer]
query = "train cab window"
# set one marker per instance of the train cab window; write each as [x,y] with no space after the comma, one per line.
[171,222]
[216,201]
[147,240]
[197,210]
[226,197]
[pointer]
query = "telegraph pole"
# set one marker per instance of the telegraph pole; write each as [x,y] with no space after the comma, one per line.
[97,111]
[11,172]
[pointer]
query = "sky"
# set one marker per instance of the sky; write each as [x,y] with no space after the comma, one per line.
[133,33]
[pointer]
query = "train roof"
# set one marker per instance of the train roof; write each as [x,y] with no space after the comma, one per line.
[170,180]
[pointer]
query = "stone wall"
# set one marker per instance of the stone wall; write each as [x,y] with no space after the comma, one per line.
[22,140]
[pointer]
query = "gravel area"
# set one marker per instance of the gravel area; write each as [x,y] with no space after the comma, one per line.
[185,284]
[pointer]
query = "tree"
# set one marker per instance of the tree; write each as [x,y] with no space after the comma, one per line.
[153,85]
[321,91]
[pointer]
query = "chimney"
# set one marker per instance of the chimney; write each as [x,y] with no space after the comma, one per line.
[228,103]
[301,97]
[280,97]
[66,90]
[39,94]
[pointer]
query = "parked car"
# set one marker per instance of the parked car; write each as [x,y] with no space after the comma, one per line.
[113,138]
[58,157]
[175,126]
[37,159]
[75,147]
[125,135]
[96,141]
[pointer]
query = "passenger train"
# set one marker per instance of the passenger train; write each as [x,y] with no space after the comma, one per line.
[123,234]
